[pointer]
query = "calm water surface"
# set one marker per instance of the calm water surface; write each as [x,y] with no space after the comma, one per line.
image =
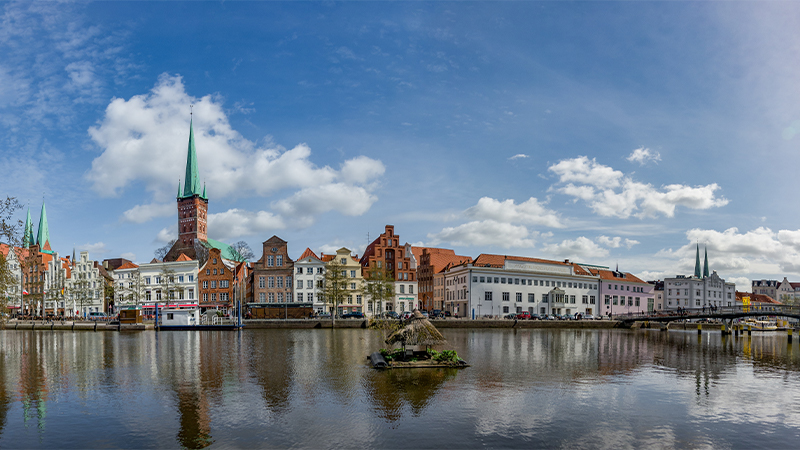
[312,388]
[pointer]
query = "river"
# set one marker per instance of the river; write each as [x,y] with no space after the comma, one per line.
[312,388]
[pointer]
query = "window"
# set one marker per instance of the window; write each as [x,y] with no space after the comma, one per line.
[213,297]
[270,261]
[488,279]
[483,279]
[215,271]
[411,289]
[180,278]
[615,299]
[215,260]
[591,299]
[309,283]
[299,270]
[607,300]
[271,297]
[224,284]
[585,299]
[352,274]
[496,279]
[147,296]
[208,271]
[191,278]
[572,299]
[280,282]
[402,289]
[213,284]
[506,296]
[280,297]
[158,295]
[505,309]
[358,299]
[502,281]
[261,282]
[205,284]
[352,286]
[319,270]
[270,282]
[487,296]
[474,279]
[516,280]
[300,297]
[529,282]
[637,301]
[191,294]
[261,297]
[311,297]
[146,280]
[279,260]
[519,297]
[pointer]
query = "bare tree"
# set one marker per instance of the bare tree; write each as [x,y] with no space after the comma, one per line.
[161,252]
[378,287]
[242,252]
[10,233]
[201,253]
[334,286]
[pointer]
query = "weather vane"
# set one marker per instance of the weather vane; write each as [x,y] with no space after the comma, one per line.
[190,109]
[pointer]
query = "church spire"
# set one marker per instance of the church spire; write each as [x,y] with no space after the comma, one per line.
[705,264]
[191,184]
[28,239]
[43,237]
[697,263]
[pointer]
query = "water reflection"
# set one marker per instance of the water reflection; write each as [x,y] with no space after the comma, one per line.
[313,388]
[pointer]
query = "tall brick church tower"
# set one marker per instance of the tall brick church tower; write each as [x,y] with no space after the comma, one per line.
[192,208]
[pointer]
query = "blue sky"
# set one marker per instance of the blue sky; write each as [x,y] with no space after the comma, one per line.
[602,132]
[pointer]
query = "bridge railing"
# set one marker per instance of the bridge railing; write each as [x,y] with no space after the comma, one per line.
[719,311]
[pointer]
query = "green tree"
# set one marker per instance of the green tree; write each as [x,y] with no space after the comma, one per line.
[334,286]
[378,287]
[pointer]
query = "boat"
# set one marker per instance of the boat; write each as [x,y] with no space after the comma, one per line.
[761,325]
[188,317]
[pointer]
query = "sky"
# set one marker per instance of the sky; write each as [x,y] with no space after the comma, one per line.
[607,133]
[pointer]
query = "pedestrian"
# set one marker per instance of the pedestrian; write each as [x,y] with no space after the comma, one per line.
[704,309]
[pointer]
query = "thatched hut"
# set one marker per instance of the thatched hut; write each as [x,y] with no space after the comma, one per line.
[418,331]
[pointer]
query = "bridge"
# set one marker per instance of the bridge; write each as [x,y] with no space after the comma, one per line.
[723,313]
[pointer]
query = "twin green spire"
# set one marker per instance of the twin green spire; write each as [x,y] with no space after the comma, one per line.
[42,237]
[191,185]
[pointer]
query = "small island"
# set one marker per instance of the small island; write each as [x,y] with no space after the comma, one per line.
[417,333]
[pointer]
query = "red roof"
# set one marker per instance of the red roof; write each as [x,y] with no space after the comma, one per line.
[183,257]
[127,265]
[757,298]
[308,253]
[609,275]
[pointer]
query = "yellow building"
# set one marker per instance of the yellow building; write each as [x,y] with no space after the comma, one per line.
[353,301]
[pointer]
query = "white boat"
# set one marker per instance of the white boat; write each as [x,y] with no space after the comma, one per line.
[761,325]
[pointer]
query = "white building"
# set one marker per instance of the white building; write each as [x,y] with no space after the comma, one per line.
[406,291]
[85,287]
[14,291]
[309,275]
[58,286]
[701,290]
[497,285]
[157,282]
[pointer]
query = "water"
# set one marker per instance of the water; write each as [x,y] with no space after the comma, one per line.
[312,388]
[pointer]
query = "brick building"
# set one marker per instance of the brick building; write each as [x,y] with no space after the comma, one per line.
[386,252]
[272,274]
[216,282]
[432,261]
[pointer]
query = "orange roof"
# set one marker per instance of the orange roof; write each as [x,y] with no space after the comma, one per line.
[183,257]
[609,275]
[326,258]
[488,260]
[308,253]
[4,249]
[757,298]
[127,265]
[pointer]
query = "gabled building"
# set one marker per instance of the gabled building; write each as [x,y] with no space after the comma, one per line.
[216,282]
[351,266]
[309,276]
[701,290]
[387,253]
[432,261]
[86,291]
[272,274]
[623,292]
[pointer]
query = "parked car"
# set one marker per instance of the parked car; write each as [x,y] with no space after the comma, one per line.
[536,317]
[437,313]
[390,315]
[588,317]
[324,316]
[524,315]
[353,315]
[406,315]
[425,314]
[511,316]
[447,314]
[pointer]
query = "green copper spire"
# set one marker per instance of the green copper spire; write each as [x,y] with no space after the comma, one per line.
[705,264]
[43,237]
[697,263]
[204,192]
[27,238]
[191,184]
[180,194]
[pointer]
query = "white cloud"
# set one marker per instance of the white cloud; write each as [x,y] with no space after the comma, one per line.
[144,213]
[145,139]
[96,248]
[129,256]
[612,194]
[485,233]
[531,212]
[519,156]
[236,223]
[644,155]
[743,284]
[166,235]
[580,248]
[616,242]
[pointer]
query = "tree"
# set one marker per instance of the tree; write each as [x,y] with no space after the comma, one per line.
[166,279]
[161,252]
[242,252]
[10,234]
[378,287]
[201,253]
[334,286]
[131,289]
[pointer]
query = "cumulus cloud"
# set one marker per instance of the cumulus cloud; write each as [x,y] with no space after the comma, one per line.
[530,212]
[485,233]
[166,235]
[96,248]
[644,155]
[616,242]
[235,223]
[145,213]
[144,139]
[579,248]
[612,194]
